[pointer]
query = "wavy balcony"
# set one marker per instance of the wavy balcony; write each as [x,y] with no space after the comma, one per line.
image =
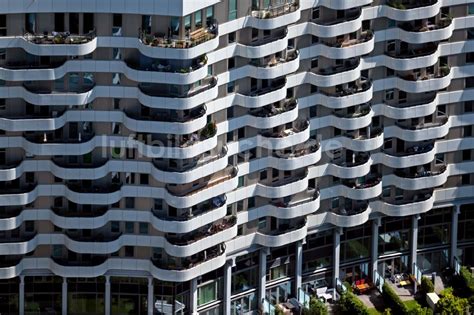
[332,27]
[355,93]
[412,156]
[299,205]
[357,190]
[269,68]
[359,166]
[360,142]
[59,43]
[269,116]
[188,147]
[187,123]
[339,74]
[217,184]
[303,154]
[197,42]
[274,16]
[205,213]
[420,131]
[278,41]
[206,91]
[357,118]
[284,138]
[411,10]
[343,49]
[276,91]
[342,216]
[420,203]
[202,264]
[430,81]
[208,236]
[398,110]
[420,179]
[283,187]
[283,235]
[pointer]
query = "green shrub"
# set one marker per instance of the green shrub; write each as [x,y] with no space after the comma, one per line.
[351,305]
[449,304]
[427,285]
[392,300]
[316,307]
[467,279]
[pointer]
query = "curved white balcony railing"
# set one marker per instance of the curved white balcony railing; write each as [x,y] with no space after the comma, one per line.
[138,125]
[334,28]
[424,132]
[104,66]
[339,219]
[267,240]
[110,142]
[328,80]
[275,17]
[126,265]
[413,37]
[76,222]
[405,160]
[107,247]
[362,193]
[206,94]
[407,111]
[357,121]
[346,170]
[202,169]
[343,4]
[107,198]
[287,187]
[359,144]
[287,139]
[345,51]
[417,183]
[289,211]
[272,70]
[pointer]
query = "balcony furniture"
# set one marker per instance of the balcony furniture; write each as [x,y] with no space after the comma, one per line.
[322,294]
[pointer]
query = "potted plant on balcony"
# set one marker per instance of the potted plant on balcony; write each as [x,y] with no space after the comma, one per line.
[58,39]
[209,130]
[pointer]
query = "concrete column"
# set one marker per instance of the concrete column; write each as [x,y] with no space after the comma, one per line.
[64,297]
[151,296]
[414,241]
[454,233]
[21,302]
[227,286]
[107,299]
[374,247]
[298,267]
[336,257]
[262,275]
[194,297]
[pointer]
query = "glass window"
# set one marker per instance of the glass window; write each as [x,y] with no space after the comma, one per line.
[198,18]
[232,10]
[115,226]
[174,25]
[3,25]
[143,228]
[129,227]
[471,8]
[207,293]
[187,22]
[209,15]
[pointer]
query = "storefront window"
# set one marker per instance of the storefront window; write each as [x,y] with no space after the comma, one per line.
[9,289]
[43,293]
[86,296]
[434,228]
[466,223]
[394,235]
[129,296]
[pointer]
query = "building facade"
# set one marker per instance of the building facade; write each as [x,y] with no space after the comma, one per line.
[221,156]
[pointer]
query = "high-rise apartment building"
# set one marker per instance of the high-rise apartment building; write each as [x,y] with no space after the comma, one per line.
[221,156]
